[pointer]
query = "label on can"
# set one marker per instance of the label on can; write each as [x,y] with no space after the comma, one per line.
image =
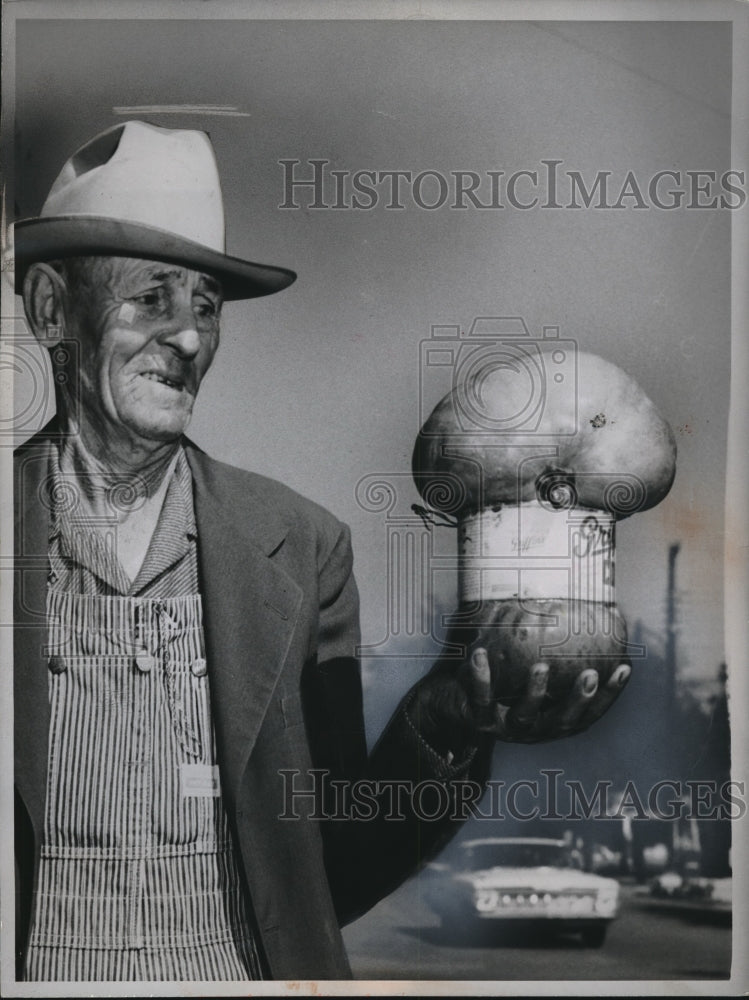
[531,551]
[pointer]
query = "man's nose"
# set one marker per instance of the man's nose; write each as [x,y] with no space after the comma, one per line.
[182,334]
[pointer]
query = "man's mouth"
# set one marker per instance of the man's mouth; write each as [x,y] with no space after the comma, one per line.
[173,383]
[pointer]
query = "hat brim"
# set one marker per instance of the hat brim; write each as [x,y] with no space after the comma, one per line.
[57,237]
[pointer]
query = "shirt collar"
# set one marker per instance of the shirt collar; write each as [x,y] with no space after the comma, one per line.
[175,529]
[89,542]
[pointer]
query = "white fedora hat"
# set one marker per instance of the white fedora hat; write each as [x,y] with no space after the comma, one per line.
[139,190]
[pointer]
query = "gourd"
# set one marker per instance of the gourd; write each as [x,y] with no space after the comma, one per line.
[537,510]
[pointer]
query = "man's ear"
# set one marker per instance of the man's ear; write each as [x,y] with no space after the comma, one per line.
[44,296]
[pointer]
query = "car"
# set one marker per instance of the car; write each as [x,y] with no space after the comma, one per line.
[604,860]
[673,885]
[534,882]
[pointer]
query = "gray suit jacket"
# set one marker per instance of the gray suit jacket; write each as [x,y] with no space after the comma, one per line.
[281,627]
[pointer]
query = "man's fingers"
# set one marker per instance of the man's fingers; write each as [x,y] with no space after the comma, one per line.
[519,722]
[483,705]
[526,711]
[578,702]
[532,719]
[480,679]
[608,693]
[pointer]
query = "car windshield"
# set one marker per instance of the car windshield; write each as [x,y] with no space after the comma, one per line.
[480,856]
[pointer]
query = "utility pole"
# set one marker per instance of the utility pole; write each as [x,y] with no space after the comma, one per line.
[673,551]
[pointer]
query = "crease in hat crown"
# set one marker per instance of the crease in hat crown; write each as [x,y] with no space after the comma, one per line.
[141,190]
[140,173]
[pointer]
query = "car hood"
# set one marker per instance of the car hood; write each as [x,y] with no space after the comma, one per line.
[537,879]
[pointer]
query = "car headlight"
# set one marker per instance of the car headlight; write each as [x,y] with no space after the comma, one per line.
[607,901]
[486,900]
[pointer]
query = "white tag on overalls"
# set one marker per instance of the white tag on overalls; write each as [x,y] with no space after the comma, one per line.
[199,780]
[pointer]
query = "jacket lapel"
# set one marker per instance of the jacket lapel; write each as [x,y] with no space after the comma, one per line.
[250,606]
[31,699]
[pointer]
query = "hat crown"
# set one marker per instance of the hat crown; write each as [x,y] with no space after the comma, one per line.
[138,190]
[144,174]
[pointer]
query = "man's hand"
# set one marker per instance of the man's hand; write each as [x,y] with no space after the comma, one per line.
[454,707]
[528,722]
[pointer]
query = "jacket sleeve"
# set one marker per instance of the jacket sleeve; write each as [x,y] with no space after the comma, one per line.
[390,812]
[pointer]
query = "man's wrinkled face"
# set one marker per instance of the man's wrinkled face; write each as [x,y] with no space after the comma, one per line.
[148,333]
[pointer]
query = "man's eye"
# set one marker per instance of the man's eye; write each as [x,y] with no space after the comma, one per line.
[204,307]
[150,298]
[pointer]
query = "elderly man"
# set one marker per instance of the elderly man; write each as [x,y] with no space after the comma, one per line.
[186,632]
